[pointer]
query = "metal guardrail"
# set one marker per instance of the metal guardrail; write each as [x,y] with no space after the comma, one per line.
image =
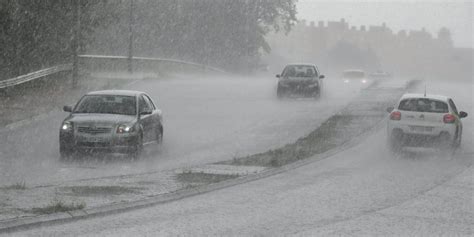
[35,75]
[155,59]
[66,67]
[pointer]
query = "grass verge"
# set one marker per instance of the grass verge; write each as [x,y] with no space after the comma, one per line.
[58,206]
[356,119]
[101,190]
[193,179]
[16,186]
[332,133]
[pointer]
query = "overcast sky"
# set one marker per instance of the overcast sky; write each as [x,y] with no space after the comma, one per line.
[398,15]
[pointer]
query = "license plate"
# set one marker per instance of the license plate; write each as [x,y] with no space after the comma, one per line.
[94,139]
[421,129]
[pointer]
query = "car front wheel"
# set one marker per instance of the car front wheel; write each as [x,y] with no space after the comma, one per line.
[159,135]
[136,151]
[280,92]
[65,153]
[317,94]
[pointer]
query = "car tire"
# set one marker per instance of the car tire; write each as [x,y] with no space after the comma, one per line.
[137,149]
[280,92]
[396,141]
[317,94]
[159,135]
[65,153]
[447,142]
[458,141]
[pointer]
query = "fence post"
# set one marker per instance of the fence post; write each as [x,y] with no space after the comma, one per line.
[130,43]
[76,44]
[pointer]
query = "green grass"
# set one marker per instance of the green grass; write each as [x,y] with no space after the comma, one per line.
[58,206]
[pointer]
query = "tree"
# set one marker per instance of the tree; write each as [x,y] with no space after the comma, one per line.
[37,34]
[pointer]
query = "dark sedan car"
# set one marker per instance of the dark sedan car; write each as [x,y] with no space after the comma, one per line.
[115,121]
[301,79]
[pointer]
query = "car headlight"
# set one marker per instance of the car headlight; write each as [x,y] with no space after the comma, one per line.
[284,84]
[67,126]
[124,129]
[313,84]
[364,81]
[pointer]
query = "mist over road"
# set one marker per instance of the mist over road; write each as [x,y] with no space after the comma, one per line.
[206,119]
[365,190]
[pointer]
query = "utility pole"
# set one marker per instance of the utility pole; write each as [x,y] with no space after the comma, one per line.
[130,42]
[15,32]
[76,42]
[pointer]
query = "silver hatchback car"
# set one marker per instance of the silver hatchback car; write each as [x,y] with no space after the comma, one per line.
[115,121]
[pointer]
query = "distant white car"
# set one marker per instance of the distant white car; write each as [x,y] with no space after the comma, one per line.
[424,120]
[379,74]
[355,76]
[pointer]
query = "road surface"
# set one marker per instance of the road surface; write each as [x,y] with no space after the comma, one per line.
[205,120]
[365,190]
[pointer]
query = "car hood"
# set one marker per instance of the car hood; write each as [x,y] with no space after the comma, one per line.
[299,80]
[101,119]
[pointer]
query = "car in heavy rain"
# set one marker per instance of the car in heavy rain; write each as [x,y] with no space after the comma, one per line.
[355,76]
[420,120]
[113,121]
[300,79]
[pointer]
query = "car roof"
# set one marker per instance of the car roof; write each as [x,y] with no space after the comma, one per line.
[116,92]
[435,97]
[301,64]
[354,70]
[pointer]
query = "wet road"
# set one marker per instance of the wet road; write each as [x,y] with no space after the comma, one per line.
[365,190]
[206,119]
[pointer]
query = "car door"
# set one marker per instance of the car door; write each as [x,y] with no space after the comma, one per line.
[146,119]
[156,114]
[317,75]
[458,119]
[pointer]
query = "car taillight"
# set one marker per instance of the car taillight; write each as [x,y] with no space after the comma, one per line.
[395,115]
[449,118]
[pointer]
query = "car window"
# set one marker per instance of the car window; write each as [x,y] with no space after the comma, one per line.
[423,105]
[150,102]
[453,106]
[353,74]
[143,105]
[107,104]
[300,71]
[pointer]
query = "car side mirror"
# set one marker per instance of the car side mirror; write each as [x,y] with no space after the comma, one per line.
[321,77]
[67,108]
[462,114]
[390,109]
[278,76]
[145,112]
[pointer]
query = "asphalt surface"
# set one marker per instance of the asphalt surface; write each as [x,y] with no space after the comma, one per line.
[205,120]
[365,190]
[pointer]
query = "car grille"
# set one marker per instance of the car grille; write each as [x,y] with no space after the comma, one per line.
[93,144]
[94,130]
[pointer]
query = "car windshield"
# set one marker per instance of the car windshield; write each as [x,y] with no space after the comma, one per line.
[423,105]
[299,71]
[353,74]
[107,104]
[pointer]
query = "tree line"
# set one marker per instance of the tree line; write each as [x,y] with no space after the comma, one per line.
[230,34]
